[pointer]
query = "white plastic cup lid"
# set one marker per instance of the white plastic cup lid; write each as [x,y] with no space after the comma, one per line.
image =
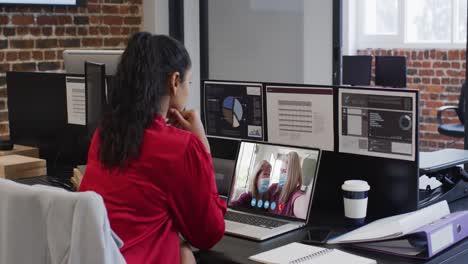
[355,186]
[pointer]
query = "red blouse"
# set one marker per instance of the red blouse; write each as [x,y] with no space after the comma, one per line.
[169,189]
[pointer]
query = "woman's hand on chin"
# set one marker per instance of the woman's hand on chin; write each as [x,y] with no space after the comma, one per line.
[189,120]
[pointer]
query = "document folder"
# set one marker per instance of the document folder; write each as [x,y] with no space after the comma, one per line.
[426,241]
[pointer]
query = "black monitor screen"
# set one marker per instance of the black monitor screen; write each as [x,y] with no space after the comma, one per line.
[357,70]
[95,94]
[37,106]
[37,111]
[390,71]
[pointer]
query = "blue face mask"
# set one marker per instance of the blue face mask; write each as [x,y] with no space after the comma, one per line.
[282,178]
[263,186]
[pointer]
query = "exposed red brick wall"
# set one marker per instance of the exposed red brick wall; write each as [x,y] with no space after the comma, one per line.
[438,75]
[32,38]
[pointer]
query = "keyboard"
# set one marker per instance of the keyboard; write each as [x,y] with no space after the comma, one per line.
[49,181]
[254,220]
[34,180]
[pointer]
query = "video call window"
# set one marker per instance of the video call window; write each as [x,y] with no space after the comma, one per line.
[274,179]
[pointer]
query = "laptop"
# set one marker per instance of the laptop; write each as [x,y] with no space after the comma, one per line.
[272,190]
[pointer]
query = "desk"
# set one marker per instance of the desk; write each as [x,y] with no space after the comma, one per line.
[236,250]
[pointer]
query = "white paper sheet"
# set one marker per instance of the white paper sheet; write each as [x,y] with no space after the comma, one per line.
[76,100]
[301,119]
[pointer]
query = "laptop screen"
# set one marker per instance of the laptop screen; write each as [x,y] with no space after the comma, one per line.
[274,180]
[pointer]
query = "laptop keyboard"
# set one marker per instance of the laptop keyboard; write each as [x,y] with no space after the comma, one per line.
[254,220]
[34,180]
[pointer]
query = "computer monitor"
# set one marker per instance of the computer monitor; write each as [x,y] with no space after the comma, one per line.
[390,71]
[357,70]
[233,110]
[37,111]
[378,122]
[95,93]
[74,60]
[270,179]
[300,115]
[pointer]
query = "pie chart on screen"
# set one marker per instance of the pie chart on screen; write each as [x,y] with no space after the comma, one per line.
[232,111]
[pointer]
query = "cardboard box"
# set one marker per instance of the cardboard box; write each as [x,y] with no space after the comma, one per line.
[21,150]
[27,174]
[76,179]
[17,166]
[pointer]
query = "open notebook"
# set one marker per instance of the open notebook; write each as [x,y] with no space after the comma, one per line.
[297,253]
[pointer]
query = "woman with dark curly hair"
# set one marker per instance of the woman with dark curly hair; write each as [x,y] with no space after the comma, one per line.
[157,180]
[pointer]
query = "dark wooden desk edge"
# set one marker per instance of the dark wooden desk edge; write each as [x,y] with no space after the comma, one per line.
[240,249]
[237,250]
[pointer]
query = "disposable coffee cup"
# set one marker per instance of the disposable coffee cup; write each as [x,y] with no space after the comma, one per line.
[355,196]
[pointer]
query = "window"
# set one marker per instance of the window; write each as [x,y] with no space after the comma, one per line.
[382,18]
[276,163]
[460,21]
[246,160]
[428,20]
[411,23]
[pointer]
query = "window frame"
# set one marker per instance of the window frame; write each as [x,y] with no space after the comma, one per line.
[456,18]
[399,40]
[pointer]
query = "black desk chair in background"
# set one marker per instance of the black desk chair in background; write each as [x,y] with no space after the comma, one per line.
[390,71]
[357,70]
[456,130]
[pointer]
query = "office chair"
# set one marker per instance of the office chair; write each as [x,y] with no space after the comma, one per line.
[390,71]
[43,224]
[453,130]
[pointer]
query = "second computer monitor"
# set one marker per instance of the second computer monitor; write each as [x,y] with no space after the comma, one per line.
[300,115]
[378,122]
[234,110]
[74,60]
[95,91]
[37,104]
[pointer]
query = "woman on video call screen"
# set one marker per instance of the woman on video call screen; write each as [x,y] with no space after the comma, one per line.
[276,184]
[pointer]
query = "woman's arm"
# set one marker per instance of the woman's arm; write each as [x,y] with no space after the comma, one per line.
[190,120]
[194,202]
[243,200]
[186,254]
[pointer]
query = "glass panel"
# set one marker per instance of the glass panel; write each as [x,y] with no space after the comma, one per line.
[429,20]
[288,41]
[460,23]
[381,17]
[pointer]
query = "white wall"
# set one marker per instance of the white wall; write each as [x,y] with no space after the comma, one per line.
[156,20]
[156,16]
[268,40]
[256,40]
[349,27]
[192,43]
[318,41]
